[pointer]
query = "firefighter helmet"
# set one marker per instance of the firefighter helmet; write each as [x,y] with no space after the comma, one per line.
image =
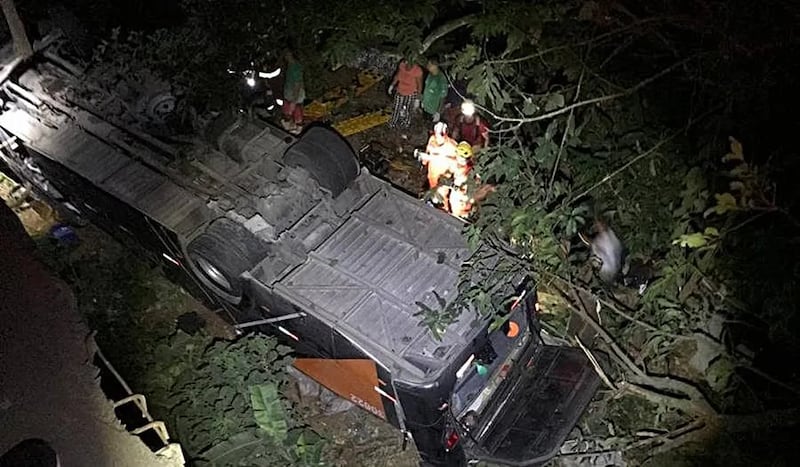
[464,149]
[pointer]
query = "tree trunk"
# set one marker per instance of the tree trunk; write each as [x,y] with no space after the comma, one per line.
[22,45]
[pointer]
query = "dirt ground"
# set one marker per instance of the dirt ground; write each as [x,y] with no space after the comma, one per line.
[355,438]
[48,387]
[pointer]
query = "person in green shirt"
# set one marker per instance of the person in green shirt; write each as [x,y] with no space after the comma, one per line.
[293,92]
[435,90]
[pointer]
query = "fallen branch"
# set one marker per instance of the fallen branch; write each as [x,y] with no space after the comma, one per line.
[662,438]
[611,306]
[596,365]
[770,378]
[659,389]
[603,334]
[670,392]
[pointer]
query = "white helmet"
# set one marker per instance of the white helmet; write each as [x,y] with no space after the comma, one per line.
[440,129]
[468,108]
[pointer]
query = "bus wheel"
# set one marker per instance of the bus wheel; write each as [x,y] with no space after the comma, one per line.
[220,255]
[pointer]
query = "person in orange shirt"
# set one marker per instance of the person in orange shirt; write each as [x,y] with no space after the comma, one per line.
[439,155]
[407,85]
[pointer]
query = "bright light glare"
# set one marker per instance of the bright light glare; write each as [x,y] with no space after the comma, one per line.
[279,101]
[171,259]
[468,108]
[251,81]
[270,75]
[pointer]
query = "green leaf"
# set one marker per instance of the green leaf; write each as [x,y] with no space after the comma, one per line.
[695,240]
[268,411]
[737,151]
[529,107]
[725,202]
[554,101]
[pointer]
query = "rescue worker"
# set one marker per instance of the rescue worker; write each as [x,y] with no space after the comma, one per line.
[463,163]
[460,200]
[435,91]
[471,128]
[439,155]
[459,203]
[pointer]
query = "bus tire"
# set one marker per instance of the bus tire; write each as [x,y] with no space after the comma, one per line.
[220,255]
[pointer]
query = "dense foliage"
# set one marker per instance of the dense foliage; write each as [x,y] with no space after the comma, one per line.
[224,401]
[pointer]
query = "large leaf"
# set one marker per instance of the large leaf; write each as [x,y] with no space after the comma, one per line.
[268,411]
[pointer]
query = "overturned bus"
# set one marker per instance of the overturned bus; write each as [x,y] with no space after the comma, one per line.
[289,235]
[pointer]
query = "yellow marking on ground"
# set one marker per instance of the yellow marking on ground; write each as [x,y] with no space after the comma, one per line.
[338,96]
[362,122]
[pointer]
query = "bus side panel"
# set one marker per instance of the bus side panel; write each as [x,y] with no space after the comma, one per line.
[123,222]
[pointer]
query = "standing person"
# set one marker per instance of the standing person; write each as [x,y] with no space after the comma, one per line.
[408,84]
[435,91]
[471,128]
[464,196]
[452,103]
[440,154]
[459,203]
[294,94]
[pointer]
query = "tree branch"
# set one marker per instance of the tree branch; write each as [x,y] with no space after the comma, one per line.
[670,437]
[582,43]
[595,100]
[444,30]
[647,153]
[596,365]
[618,352]
[570,118]
[660,389]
